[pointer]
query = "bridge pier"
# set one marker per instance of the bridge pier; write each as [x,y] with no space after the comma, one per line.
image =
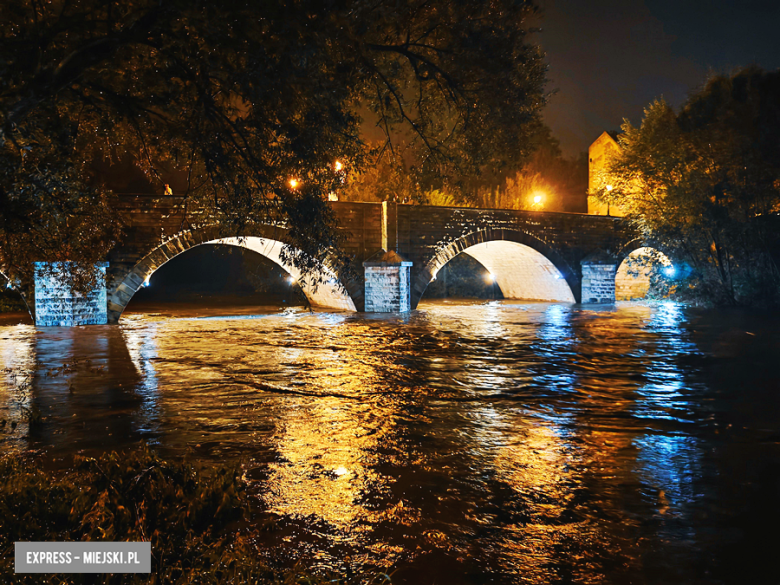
[57,304]
[388,284]
[598,278]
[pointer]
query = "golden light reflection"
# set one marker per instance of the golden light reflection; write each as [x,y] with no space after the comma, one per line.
[328,446]
[17,367]
[293,183]
[534,458]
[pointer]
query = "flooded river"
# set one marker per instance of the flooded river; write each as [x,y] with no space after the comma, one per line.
[468,442]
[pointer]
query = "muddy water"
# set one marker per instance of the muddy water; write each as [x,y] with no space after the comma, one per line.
[483,442]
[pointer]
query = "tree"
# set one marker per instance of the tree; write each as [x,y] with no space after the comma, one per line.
[704,184]
[560,183]
[232,99]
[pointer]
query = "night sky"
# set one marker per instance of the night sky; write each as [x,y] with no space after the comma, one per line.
[610,58]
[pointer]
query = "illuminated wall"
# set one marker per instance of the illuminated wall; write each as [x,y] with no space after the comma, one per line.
[598,158]
[632,280]
[521,272]
[324,294]
[57,304]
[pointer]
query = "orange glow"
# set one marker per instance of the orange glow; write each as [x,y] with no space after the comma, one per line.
[338,166]
[538,197]
[294,183]
[609,187]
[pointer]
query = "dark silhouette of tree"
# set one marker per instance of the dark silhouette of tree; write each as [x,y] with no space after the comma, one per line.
[704,184]
[229,100]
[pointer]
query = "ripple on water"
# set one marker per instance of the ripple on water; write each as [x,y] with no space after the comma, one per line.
[463,443]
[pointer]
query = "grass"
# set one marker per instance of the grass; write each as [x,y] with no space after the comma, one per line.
[201,523]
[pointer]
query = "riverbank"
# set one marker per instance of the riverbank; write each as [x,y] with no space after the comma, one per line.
[202,522]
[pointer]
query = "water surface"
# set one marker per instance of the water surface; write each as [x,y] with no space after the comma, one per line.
[482,442]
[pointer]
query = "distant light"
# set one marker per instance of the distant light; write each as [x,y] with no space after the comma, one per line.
[609,187]
[333,197]
[670,271]
[291,280]
[294,183]
[339,471]
[146,282]
[9,285]
[434,276]
[490,277]
[338,166]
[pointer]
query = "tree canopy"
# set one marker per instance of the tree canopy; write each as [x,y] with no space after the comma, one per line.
[230,100]
[704,184]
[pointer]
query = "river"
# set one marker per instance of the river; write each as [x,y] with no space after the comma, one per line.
[464,443]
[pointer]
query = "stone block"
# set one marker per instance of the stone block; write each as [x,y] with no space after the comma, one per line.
[58,305]
[387,285]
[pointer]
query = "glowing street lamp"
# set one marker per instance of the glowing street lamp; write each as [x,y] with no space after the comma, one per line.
[293,183]
[538,198]
[338,166]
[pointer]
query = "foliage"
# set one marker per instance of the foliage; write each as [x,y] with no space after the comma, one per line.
[196,521]
[11,302]
[703,185]
[226,101]
[561,182]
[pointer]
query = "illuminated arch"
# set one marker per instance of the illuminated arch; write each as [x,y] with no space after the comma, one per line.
[523,266]
[632,278]
[6,282]
[265,240]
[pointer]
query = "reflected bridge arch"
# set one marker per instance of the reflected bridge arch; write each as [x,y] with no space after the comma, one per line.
[326,289]
[523,266]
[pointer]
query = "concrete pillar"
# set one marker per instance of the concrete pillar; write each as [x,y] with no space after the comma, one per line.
[57,304]
[598,279]
[388,284]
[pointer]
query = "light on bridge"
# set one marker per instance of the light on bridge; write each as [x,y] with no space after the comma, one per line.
[294,183]
[538,198]
[291,280]
[491,278]
[146,283]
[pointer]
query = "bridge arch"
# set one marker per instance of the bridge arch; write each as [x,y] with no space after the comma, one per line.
[523,265]
[265,240]
[7,283]
[636,265]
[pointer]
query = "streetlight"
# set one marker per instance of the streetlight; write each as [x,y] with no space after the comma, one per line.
[294,183]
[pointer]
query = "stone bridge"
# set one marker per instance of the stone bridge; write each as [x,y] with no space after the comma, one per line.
[396,249]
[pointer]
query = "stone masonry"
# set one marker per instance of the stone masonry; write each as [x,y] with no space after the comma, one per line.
[157,229]
[598,280]
[57,304]
[387,284]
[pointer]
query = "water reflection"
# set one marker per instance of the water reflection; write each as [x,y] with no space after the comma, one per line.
[464,443]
